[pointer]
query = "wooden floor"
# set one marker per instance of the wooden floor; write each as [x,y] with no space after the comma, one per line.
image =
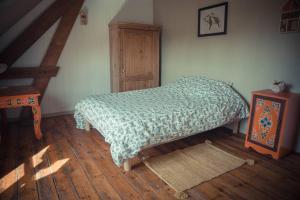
[71,164]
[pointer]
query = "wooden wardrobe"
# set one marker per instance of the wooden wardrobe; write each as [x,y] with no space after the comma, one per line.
[134,56]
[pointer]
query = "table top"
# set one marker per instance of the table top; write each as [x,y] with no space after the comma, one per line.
[284,95]
[18,91]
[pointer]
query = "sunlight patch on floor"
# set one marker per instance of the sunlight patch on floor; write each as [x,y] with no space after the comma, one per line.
[18,173]
[37,160]
[11,178]
[38,157]
[51,169]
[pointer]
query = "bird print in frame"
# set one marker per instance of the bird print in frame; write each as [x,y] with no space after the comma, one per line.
[212,20]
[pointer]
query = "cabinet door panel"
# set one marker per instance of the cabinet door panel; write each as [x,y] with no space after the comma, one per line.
[138,57]
[265,123]
[137,85]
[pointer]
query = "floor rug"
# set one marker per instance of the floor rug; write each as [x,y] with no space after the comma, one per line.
[186,168]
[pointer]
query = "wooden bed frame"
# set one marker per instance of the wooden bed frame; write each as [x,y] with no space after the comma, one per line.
[235,126]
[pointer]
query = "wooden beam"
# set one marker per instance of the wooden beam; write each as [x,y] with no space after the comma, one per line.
[29,72]
[55,48]
[35,30]
[58,42]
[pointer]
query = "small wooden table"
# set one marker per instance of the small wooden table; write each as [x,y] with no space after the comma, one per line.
[19,96]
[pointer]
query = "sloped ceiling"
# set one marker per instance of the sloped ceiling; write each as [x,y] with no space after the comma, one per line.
[13,10]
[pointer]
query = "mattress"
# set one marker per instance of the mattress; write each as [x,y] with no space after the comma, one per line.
[130,121]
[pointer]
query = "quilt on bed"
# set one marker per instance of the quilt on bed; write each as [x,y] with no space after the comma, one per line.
[132,120]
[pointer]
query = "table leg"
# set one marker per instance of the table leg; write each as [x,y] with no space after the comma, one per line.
[36,110]
[3,123]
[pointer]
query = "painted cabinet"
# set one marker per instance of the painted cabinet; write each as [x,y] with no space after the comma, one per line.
[272,126]
[134,56]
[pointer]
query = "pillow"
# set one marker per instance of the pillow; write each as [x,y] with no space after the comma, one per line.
[201,79]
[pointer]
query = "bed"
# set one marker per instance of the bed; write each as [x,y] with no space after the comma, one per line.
[134,120]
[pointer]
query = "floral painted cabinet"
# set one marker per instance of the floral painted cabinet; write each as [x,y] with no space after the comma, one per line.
[272,125]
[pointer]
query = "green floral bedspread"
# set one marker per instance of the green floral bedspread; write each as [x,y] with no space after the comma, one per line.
[132,120]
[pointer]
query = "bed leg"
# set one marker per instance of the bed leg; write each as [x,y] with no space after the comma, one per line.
[127,166]
[236,127]
[87,126]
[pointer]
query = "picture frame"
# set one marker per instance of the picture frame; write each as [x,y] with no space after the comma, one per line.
[212,20]
[290,17]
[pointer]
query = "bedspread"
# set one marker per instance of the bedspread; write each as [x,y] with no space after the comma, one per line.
[132,120]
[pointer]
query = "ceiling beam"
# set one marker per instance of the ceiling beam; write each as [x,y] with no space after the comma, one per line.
[35,30]
[58,42]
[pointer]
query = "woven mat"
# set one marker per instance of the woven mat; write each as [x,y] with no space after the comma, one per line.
[186,168]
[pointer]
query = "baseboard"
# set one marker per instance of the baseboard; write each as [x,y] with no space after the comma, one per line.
[47,115]
[226,129]
[229,130]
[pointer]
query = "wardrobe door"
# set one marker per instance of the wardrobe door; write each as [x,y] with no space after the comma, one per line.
[139,59]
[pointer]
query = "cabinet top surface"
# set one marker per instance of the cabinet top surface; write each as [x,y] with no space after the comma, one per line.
[284,95]
[130,25]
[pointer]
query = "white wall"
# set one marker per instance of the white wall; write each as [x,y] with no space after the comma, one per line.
[85,59]
[251,55]
[84,63]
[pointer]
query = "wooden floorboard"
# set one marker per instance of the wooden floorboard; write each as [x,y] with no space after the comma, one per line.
[43,172]
[27,186]
[72,164]
[8,165]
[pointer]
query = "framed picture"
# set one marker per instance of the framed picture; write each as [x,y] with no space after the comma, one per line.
[290,17]
[212,20]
